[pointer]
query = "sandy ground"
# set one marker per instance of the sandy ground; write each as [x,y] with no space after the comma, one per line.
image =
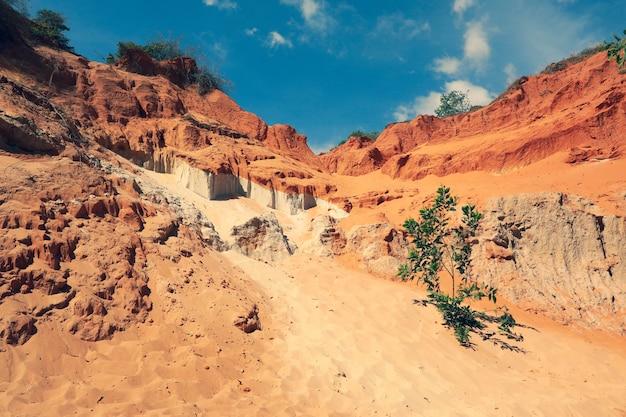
[355,345]
[334,342]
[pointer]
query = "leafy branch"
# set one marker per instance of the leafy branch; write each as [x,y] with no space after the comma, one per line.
[439,247]
[616,51]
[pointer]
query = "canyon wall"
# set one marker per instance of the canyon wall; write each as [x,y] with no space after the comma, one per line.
[580,110]
[558,255]
[216,186]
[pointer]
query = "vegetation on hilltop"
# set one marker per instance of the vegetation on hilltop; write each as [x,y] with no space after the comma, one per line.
[20,6]
[361,134]
[162,49]
[556,67]
[47,27]
[440,247]
[454,102]
[573,59]
[373,135]
[616,51]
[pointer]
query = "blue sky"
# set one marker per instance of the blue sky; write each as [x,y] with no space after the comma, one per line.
[330,67]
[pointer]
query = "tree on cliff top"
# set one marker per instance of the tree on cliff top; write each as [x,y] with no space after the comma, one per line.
[454,102]
[48,26]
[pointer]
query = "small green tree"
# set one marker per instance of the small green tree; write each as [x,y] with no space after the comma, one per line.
[452,103]
[439,245]
[49,27]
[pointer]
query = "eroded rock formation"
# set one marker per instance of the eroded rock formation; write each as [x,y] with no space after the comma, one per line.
[327,239]
[558,255]
[54,219]
[262,238]
[379,248]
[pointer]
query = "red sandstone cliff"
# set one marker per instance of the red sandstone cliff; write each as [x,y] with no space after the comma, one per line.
[580,109]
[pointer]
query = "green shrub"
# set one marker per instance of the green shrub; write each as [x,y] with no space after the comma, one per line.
[48,26]
[207,80]
[361,134]
[122,49]
[161,49]
[454,102]
[438,246]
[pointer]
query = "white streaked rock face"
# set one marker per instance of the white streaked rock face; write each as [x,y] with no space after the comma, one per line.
[556,254]
[262,238]
[223,186]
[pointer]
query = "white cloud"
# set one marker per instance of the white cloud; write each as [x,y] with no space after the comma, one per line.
[511,73]
[313,12]
[221,4]
[476,49]
[251,31]
[550,33]
[460,6]
[421,105]
[398,26]
[309,9]
[447,65]
[477,95]
[276,40]
[219,51]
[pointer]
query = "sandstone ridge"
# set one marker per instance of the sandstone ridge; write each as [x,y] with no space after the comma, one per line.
[139,109]
[516,130]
